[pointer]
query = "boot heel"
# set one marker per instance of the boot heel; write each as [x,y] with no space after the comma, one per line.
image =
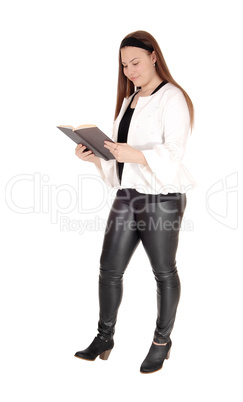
[168,354]
[105,355]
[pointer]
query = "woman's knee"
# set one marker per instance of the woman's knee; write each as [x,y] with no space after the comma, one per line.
[167,278]
[110,277]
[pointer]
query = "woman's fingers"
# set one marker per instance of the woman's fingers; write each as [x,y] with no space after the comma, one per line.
[79,147]
[111,146]
[81,153]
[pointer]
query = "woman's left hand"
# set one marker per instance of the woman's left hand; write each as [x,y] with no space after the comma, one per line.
[125,153]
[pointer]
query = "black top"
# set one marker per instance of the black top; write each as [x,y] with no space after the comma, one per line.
[125,123]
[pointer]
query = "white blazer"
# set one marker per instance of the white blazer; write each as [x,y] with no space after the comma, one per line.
[159,127]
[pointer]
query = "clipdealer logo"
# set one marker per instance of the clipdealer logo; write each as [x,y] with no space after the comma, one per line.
[222,201]
[33,193]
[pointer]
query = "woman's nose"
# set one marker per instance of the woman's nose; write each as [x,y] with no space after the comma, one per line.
[131,70]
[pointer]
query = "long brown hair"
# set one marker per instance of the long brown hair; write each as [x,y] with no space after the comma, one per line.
[125,87]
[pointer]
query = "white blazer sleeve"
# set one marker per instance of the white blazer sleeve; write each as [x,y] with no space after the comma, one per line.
[106,171]
[164,160]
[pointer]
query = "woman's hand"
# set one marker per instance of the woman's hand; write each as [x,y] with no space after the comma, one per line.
[87,156]
[125,153]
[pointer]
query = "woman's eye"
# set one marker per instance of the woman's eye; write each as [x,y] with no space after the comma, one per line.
[135,64]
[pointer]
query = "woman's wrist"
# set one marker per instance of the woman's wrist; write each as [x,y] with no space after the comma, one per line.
[97,161]
[142,159]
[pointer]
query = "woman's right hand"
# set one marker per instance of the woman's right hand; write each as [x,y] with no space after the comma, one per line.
[87,156]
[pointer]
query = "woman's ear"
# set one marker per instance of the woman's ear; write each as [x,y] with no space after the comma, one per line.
[153,57]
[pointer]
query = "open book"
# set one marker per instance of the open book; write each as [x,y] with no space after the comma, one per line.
[90,136]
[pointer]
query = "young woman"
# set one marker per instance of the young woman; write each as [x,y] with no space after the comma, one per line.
[153,119]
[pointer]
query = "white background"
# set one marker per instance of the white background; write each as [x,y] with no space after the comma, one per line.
[59,65]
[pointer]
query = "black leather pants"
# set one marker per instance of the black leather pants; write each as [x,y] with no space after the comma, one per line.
[156,222]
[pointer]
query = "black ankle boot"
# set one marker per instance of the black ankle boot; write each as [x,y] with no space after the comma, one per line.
[97,348]
[155,357]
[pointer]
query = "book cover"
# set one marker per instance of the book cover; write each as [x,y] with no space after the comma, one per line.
[90,136]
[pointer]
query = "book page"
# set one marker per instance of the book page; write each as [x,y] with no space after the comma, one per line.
[66,126]
[84,126]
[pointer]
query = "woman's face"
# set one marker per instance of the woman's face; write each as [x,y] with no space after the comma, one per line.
[138,65]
